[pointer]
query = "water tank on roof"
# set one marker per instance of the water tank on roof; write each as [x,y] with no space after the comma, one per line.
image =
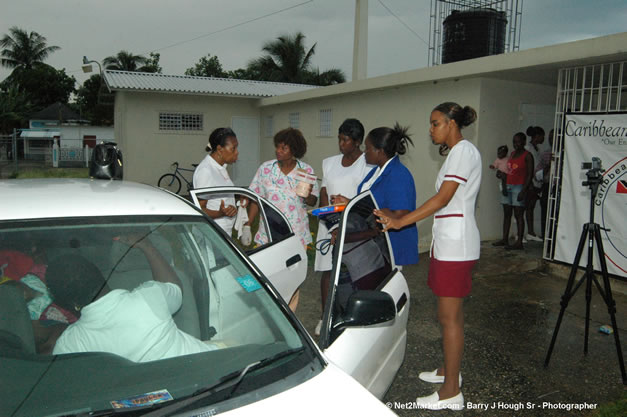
[473,33]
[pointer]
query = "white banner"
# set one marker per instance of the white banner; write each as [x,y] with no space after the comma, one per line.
[586,136]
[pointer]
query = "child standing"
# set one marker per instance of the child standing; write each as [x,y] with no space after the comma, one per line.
[500,165]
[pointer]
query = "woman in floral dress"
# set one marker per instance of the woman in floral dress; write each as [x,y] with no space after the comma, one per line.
[276,181]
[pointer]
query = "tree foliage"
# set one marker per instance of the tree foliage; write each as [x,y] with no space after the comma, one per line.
[23,50]
[14,109]
[287,60]
[89,104]
[42,84]
[127,61]
[207,66]
[153,63]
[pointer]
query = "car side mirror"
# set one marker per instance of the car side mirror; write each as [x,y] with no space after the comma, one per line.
[365,308]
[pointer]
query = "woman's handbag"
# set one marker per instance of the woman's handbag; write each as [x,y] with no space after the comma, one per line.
[106,162]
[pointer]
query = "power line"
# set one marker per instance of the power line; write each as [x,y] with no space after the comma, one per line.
[222,30]
[230,27]
[403,23]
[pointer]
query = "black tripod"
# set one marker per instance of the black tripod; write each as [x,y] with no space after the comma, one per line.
[591,232]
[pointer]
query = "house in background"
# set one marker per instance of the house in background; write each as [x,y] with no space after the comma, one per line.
[160,119]
[59,122]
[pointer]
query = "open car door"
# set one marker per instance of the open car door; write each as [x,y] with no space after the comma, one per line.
[282,259]
[364,328]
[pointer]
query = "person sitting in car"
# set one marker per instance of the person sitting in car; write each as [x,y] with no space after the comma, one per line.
[136,325]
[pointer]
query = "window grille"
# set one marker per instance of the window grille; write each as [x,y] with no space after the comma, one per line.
[181,121]
[587,89]
[326,119]
[269,128]
[294,120]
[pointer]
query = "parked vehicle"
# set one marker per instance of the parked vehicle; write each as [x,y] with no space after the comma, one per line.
[258,359]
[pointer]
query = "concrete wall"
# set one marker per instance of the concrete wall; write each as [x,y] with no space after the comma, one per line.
[409,105]
[148,152]
[499,116]
[497,102]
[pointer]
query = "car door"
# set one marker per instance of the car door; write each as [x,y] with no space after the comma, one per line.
[363,276]
[282,257]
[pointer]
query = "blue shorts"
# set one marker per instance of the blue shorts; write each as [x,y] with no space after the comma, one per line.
[511,199]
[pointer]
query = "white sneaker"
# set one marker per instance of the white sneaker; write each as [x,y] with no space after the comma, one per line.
[434,378]
[318,328]
[534,238]
[433,402]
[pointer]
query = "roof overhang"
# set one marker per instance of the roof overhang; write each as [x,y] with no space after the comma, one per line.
[39,134]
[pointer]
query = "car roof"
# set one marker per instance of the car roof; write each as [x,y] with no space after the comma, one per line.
[67,197]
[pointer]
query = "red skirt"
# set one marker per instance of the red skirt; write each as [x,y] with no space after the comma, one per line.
[450,278]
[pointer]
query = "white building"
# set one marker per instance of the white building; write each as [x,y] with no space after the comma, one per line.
[160,119]
[58,122]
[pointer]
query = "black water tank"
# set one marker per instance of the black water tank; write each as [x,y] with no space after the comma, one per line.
[473,33]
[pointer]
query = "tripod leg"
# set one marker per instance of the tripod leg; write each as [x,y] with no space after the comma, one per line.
[589,276]
[567,293]
[609,301]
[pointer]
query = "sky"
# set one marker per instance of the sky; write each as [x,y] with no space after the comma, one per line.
[183,31]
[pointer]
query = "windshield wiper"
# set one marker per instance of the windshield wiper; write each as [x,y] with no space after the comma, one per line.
[231,380]
[171,407]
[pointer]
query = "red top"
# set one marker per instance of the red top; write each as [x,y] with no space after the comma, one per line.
[517,169]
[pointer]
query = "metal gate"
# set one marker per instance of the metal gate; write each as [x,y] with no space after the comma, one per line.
[588,89]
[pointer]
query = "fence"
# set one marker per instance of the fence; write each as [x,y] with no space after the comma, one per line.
[591,89]
[14,153]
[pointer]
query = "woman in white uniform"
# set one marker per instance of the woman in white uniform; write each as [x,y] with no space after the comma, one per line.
[341,174]
[455,244]
[211,172]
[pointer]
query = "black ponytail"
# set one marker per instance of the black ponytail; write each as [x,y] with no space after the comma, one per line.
[393,141]
[463,116]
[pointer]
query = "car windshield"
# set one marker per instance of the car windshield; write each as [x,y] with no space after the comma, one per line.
[109,313]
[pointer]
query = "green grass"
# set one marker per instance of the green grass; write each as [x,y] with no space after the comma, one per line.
[51,173]
[615,409]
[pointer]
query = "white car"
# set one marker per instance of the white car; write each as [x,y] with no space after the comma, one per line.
[250,355]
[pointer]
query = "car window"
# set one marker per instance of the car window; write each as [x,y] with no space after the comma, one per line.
[279,227]
[365,258]
[268,217]
[108,309]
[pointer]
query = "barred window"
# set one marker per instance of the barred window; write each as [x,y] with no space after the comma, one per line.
[326,119]
[269,128]
[294,119]
[181,121]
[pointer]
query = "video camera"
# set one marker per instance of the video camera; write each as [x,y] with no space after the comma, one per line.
[594,171]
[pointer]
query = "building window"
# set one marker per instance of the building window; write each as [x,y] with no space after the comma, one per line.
[268,124]
[181,121]
[326,119]
[294,119]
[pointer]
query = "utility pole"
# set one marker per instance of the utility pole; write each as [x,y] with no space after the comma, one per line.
[360,45]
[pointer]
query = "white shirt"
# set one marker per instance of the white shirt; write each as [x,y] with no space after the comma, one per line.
[338,179]
[211,174]
[455,231]
[136,325]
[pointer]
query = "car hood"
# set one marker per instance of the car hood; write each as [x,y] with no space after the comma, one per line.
[331,392]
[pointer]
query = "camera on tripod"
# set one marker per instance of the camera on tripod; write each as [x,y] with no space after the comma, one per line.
[594,171]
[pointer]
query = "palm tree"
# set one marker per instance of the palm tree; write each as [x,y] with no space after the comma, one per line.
[23,50]
[287,60]
[125,61]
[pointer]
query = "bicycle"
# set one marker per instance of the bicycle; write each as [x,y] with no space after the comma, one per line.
[172,182]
